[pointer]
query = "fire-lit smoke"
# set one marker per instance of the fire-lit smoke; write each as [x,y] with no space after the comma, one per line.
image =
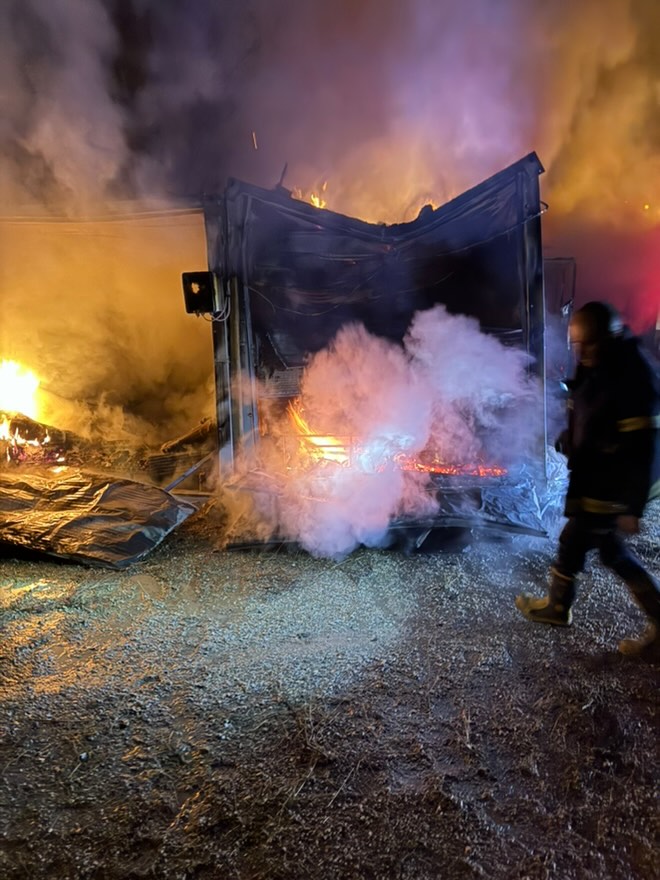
[393,103]
[450,393]
[94,310]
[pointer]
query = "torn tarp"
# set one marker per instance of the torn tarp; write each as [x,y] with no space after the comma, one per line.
[86,517]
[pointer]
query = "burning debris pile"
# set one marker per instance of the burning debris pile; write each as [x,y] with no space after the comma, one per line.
[25,441]
[96,502]
[28,443]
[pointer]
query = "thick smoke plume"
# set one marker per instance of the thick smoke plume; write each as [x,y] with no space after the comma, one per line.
[450,394]
[391,104]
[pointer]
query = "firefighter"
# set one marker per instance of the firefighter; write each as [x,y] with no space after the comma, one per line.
[613,447]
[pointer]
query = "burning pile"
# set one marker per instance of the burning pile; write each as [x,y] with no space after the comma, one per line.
[31,444]
[22,439]
[55,497]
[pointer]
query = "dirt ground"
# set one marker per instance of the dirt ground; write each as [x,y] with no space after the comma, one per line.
[255,714]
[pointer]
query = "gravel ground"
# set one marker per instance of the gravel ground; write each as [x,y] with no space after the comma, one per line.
[258,714]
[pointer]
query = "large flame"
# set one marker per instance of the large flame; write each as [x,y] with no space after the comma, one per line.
[18,389]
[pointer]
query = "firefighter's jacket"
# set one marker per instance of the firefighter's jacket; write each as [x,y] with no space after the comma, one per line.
[613,436]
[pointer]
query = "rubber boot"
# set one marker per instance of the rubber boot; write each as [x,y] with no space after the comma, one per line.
[555,608]
[646,593]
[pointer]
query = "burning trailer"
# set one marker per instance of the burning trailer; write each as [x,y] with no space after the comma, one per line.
[379,384]
[374,384]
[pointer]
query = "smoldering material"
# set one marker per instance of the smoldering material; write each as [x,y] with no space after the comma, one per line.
[449,391]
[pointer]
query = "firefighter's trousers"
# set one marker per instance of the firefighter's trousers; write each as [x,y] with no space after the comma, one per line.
[591,532]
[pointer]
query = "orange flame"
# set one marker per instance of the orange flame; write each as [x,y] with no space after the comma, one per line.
[456,470]
[314,198]
[17,438]
[317,445]
[331,448]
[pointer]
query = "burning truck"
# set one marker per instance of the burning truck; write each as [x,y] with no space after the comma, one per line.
[382,385]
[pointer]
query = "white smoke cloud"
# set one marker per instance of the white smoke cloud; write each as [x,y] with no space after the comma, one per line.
[450,393]
[62,136]
[480,389]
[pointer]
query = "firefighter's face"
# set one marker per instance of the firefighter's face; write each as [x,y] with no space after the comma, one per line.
[586,345]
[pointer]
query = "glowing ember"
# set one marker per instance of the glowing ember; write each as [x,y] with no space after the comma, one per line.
[462,470]
[18,389]
[329,448]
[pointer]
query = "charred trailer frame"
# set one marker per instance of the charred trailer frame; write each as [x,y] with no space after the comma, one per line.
[273,260]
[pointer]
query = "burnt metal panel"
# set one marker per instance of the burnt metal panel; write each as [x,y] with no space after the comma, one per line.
[290,275]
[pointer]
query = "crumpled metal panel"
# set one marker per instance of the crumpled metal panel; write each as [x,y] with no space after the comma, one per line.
[86,517]
[521,503]
[505,504]
[310,271]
